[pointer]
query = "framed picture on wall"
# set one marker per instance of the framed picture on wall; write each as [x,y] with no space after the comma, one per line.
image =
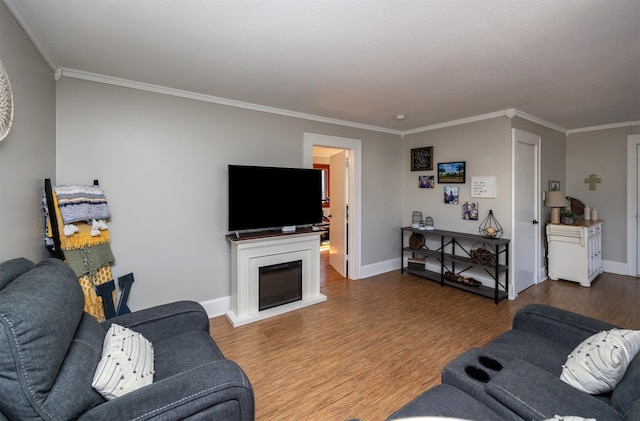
[426,181]
[470,211]
[422,159]
[483,186]
[451,172]
[451,196]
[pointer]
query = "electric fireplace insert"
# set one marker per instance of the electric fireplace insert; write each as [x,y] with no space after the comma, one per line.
[279,284]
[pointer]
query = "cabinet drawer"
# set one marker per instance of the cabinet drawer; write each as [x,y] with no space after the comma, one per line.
[593,230]
[565,234]
[564,230]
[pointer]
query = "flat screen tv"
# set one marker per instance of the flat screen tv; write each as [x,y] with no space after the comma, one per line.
[273,197]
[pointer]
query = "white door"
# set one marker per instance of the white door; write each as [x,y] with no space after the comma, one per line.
[633,205]
[527,231]
[338,210]
[637,202]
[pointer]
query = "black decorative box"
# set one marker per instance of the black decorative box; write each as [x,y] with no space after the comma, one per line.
[415,263]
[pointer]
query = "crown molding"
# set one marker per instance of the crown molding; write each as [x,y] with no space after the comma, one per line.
[539,121]
[509,113]
[455,122]
[604,127]
[109,80]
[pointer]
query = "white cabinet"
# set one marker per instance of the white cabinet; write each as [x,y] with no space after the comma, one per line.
[575,251]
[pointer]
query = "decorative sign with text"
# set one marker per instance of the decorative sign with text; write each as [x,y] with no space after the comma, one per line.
[483,186]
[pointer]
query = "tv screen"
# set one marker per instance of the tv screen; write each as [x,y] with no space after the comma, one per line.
[273,197]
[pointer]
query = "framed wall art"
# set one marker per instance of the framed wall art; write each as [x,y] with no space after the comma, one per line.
[470,211]
[422,159]
[483,186]
[452,172]
[451,196]
[426,181]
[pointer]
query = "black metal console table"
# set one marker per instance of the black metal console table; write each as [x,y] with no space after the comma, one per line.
[455,254]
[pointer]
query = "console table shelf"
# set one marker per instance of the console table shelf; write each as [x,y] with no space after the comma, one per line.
[454,254]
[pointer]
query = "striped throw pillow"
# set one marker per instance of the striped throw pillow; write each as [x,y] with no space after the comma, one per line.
[126,363]
[599,363]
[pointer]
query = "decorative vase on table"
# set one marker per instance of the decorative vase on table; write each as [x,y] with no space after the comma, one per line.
[416,219]
[428,223]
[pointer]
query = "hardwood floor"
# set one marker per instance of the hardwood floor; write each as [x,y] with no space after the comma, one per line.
[379,342]
[328,274]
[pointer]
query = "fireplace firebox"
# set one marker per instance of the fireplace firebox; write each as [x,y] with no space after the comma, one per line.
[279,284]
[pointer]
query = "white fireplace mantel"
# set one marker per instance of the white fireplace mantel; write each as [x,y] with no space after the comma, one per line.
[250,253]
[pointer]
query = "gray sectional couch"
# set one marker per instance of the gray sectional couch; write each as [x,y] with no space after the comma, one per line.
[517,376]
[50,348]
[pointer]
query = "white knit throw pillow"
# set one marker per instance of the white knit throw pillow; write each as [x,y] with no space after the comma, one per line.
[599,363]
[126,363]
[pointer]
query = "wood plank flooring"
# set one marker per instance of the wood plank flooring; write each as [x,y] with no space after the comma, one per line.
[379,342]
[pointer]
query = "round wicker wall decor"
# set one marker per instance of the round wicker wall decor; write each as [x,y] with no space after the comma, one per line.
[6,103]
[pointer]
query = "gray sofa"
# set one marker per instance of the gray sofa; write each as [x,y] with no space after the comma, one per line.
[49,350]
[517,376]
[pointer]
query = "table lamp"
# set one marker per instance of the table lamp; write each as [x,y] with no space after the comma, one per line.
[555,200]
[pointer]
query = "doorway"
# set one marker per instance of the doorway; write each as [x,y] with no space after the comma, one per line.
[350,259]
[526,209]
[333,163]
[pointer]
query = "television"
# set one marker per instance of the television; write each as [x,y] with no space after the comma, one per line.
[273,197]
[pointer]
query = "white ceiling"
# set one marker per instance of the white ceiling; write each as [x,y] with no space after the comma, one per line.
[572,63]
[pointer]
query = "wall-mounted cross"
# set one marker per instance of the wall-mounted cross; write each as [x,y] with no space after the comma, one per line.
[592,180]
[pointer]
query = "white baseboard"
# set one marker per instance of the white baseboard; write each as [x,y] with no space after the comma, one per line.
[220,306]
[380,267]
[542,274]
[217,306]
[618,268]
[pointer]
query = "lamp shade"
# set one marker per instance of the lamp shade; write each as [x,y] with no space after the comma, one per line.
[555,199]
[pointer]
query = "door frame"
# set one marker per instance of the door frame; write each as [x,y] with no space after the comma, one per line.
[537,212]
[354,190]
[633,142]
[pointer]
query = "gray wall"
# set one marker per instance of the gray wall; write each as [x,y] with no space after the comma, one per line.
[162,162]
[486,148]
[604,153]
[28,153]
